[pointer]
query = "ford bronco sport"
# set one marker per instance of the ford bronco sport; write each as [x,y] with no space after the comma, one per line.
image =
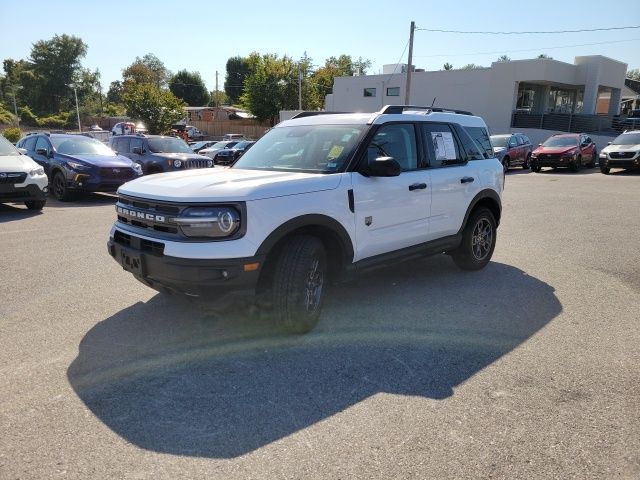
[318,197]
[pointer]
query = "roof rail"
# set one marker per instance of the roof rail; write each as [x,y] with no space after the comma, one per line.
[396,109]
[313,114]
[37,133]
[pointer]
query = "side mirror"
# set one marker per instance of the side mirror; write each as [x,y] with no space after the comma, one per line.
[384,167]
[43,152]
[23,151]
[539,144]
[138,150]
[609,143]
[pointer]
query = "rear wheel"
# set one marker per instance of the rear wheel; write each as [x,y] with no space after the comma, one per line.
[35,204]
[505,164]
[478,241]
[298,284]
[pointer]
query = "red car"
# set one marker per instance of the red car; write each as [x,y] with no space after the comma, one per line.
[572,150]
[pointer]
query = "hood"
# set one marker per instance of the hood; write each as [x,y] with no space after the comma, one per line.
[16,163]
[180,156]
[210,150]
[227,184]
[99,160]
[499,149]
[621,148]
[554,150]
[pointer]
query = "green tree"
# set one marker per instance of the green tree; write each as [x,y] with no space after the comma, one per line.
[12,134]
[218,97]
[544,55]
[55,64]
[158,109]
[633,74]
[148,69]
[470,66]
[503,59]
[322,78]
[447,66]
[238,69]
[114,94]
[190,87]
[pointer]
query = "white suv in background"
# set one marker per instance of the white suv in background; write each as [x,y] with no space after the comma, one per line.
[21,179]
[317,198]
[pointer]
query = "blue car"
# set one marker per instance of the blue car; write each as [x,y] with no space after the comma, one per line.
[76,163]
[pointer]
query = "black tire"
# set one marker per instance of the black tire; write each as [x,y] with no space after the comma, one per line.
[605,170]
[478,241]
[298,284]
[593,159]
[59,187]
[575,166]
[35,204]
[536,168]
[505,164]
[525,165]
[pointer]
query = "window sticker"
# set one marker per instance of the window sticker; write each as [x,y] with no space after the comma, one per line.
[444,146]
[335,152]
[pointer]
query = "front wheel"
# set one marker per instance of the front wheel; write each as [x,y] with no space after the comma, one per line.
[59,187]
[575,166]
[35,204]
[525,165]
[478,241]
[298,284]
[505,164]
[605,170]
[536,168]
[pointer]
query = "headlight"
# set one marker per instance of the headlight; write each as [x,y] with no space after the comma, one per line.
[177,163]
[209,163]
[137,167]
[36,171]
[77,165]
[213,222]
[603,155]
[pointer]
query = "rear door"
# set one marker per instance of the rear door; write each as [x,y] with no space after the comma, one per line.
[455,176]
[392,212]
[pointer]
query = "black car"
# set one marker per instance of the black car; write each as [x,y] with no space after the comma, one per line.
[228,156]
[197,146]
[76,163]
[157,153]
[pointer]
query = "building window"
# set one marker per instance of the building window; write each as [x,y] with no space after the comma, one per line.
[393,92]
[369,92]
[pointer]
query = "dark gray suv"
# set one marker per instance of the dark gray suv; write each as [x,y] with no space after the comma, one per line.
[156,153]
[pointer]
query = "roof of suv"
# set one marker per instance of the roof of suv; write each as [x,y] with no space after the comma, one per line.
[399,113]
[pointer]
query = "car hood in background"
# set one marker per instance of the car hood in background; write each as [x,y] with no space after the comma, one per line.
[99,160]
[17,163]
[621,148]
[181,156]
[553,150]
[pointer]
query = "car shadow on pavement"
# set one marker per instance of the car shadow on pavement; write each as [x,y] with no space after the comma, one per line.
[568,171]
[178,378]
[11,213]
[83,200]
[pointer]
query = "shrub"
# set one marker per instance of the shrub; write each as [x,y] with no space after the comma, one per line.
[53,121]
[13,134]
[28,117]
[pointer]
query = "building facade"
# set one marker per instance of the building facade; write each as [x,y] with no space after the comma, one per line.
[591,85]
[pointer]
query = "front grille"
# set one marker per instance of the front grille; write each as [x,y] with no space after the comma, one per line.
[12,177]
[117,173]
[549,156]
[197,163]
[152,212]
[621,154]
[149,246]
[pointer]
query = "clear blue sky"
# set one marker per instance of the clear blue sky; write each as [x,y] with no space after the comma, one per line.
[201,35]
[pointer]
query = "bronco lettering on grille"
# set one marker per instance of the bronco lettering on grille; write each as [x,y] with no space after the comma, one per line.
[141,215]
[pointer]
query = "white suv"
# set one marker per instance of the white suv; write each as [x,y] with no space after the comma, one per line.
[21,179]
[318,197]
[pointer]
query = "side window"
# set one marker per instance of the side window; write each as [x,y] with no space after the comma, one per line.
[397,141]
[513,142]
[481,137]
[30,144]
[526,139]
[589,141]
[123,145]
[135,142]
[42,143]
[519,140]
[440,144]
[471,148]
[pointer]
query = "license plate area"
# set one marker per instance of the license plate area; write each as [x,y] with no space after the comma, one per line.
[131,261]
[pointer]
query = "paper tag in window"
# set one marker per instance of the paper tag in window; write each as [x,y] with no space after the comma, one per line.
[444,146]
[335,152]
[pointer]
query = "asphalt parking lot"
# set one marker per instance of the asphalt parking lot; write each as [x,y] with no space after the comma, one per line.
[526,369]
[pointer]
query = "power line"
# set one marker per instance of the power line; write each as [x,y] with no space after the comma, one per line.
[532,32]
[526,49]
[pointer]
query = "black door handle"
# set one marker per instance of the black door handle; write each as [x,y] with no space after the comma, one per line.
[467,179]
[417,186]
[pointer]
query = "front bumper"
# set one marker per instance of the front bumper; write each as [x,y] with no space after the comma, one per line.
[209,278]
[13,193]
[628,163]
[548,161]
[93,183]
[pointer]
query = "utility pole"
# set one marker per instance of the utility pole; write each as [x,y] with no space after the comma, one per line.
[408,86]
[299,88]
[215,94]
[75,92]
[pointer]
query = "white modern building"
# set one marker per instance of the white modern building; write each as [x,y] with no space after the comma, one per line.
[529,91]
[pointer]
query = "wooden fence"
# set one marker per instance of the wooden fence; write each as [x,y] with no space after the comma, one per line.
[249,128]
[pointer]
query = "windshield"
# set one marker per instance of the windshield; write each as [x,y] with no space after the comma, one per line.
[561,142]
[627,139]
[634,114]
[197,145]
[241,145]
[499,141]
[168,145]
[311,148]
[80,145]
[6,148]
